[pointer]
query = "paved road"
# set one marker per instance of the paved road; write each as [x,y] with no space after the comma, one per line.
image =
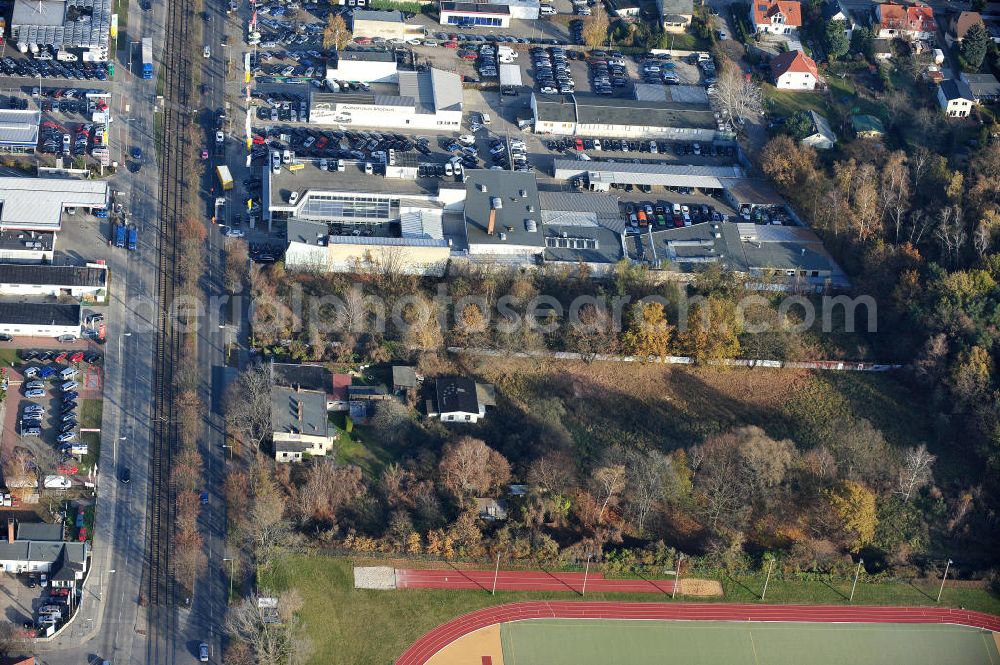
[111,625]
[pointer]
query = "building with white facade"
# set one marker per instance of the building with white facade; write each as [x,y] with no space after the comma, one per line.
[794,70]
[39,548]
[34,319]
[778,17]
[363,67]
[955,98]
[38,204]
[88,282]
[299,424]
[385,24]
[680,118]
[430,99]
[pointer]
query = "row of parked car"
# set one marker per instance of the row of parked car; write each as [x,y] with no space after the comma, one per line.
[53,69]
[664,213]
[552,73]
[89,357]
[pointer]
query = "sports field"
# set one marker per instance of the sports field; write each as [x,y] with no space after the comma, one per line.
[651,642]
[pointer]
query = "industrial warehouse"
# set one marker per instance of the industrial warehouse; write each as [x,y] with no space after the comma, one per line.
[429,99]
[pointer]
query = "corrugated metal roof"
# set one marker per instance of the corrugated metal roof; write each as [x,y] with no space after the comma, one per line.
[37,203]
[447,90]
[391,16]
[600,204]
[419,224]
[72,24]
[418,86]
[19,127]
[389,242]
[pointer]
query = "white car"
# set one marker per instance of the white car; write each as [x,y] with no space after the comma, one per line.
[234,233]
[207,52]
[220,137]
[467,139]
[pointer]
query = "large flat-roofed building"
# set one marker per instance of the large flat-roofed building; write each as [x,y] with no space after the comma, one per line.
[363,66]
[503,215]
[37,204]
[429,99]
[350,221]
[601,175]
[88,282]
[61,25]
[385,24]
[476,14]
[19,130]
[623,118]
[34,319]
[27,246]
[778,257]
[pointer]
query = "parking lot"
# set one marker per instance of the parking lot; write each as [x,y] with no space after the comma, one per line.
[17,64]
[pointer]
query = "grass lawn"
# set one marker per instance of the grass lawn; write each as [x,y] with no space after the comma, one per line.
[91,411]
[686,41]
[8,357]
[356,627]
[640,642]
[361,448]
[786,102]
[93,441]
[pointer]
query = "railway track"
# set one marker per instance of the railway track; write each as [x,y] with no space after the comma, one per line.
[175,68]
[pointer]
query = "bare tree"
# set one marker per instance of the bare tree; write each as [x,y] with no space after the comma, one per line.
[647,477]
[268,532]
[281,642]
[391,421]
[468,466]
[739,98]
[609,482]
[248,404]
[915,471]
[13,644]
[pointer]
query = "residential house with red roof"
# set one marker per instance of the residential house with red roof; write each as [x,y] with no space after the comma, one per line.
[794,70]
[898,22]
[778,17]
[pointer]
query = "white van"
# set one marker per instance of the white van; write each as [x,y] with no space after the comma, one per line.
[486,118]
[547,10]
[286,156]
[275,162]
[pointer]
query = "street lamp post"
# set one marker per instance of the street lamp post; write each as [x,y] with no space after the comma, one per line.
[857,573]
[232,564]
[104,578]
[943,578]
[677,575]
[770,567]
[128,334]
[496,573]
[586,572]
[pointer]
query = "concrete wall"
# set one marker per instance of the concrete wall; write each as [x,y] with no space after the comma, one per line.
[409,259]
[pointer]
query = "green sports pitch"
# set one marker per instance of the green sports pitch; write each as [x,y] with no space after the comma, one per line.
[657,642]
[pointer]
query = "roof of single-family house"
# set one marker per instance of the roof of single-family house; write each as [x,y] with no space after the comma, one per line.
[920,18]
[305,376]
[793,61]
[457,394]
[822,127]
[960,24]
[42,531]
[300,412]
[867,124]
[341,382]
[763,10]
[982,85]
[891,16]
[404,376]
[956,89]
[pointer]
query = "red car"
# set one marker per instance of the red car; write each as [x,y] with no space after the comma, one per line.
[76,357]
[450,45]
[83,534]
[467,55]
[67,469]
[259,140]
[322,142]
[362,40]
[578,144]
[61,591]
[61,357]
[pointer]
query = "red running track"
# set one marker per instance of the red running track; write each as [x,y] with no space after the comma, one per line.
[445,634]
[525,581]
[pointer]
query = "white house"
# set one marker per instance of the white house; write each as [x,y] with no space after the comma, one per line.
[460,400]
[794,70]
[956,98]
[778,17]
[822,136]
